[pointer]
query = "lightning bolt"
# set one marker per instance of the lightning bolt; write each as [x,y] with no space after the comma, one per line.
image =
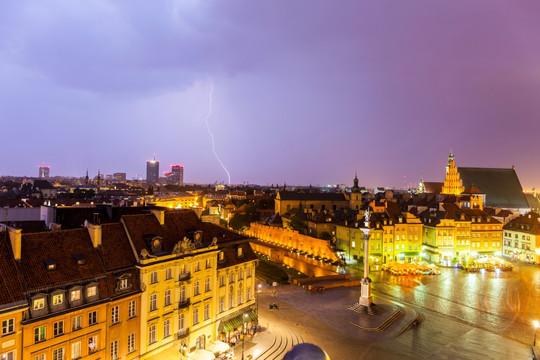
[212,134]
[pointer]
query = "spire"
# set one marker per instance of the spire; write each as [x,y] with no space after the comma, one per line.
[86,178]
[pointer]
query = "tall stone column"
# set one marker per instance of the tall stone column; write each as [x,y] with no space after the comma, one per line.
[365,285]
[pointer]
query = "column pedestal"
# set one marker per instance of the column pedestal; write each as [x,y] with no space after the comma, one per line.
[365,292]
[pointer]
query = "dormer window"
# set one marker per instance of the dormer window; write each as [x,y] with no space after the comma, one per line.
[239,252]
[221,256]
[124,283]
[75,295]
[400,220]
[50,264]
[58,299]
[39,304]
[91,291]
[79,259]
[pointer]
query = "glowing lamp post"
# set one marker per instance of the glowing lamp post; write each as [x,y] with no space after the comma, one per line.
[243,333]
[365,285]
[183,349]
[535,323]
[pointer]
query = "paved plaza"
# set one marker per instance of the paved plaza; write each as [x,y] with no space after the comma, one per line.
[467,316]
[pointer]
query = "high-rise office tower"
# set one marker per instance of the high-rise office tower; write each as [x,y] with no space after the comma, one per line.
[175,176]
[152,171]
[44,171]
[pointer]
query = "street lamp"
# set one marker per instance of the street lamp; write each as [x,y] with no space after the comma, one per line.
[183,349]
[243,333]
[535,323]
[257,298]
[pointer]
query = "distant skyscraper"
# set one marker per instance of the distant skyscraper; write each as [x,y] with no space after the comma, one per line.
[175,176]
[152,171]
[44,171]
[119,176]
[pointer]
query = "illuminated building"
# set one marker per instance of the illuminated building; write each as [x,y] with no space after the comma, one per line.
[521,238]
[177,201]
[72,285]
[175,176]
[13,304]
[152,171]
[44,171]
[457,233]
[394,235]
[123,290]
[499,187]
[197,278]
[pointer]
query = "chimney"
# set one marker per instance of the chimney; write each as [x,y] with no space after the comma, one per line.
[15,236]
[160,215]
[95,234]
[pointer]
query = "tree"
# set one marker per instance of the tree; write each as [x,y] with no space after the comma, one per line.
[239,221]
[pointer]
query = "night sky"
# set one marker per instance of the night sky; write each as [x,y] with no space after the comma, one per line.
[305,92]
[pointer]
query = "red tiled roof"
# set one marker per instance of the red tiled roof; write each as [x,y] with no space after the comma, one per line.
[116,249]
[11,286]
[178,223]
[231,257]
[60,246]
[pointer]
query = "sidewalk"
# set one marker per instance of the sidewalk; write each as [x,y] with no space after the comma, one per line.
[254,345]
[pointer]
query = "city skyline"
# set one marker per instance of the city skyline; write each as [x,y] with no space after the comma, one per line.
[304,93]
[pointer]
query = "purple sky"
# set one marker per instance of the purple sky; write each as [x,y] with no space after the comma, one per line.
[305,91]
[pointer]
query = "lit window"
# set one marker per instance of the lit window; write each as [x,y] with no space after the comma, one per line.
[75,295]
[39,334]
[76,350]
[58,299]
[92,344]
[91,291]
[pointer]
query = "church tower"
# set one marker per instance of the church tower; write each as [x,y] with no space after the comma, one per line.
[452,183]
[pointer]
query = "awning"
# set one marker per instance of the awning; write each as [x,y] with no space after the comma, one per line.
[236,321]
[201,354]
[218,347]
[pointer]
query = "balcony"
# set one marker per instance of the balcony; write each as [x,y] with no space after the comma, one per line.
[184,277]
[180,334]
[184,304]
